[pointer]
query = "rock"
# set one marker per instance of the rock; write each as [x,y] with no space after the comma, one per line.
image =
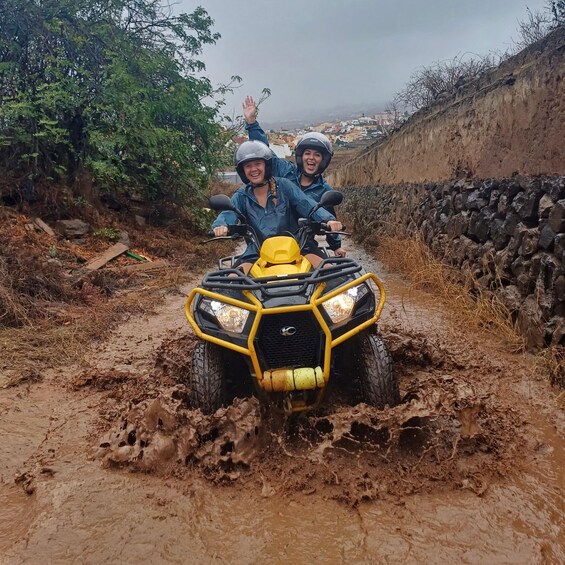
[486,281]
[530,324]
[559,288]
[493,200]
[559,246]
[457,225]
[503,203]
[124,238]
[546,238]
[480,223]
[544,207]
[499,237]
[509,188]
[511,222]
[516,239]
[555,188]
[512,298]
[519,266]
[458,203]
[556,329]
[525,284]
[474,201]
[72,229]
[502,261]
[530,242]
[447,206]
[557,217]
[526,205]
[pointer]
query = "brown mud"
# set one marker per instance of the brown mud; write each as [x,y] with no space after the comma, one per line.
[104,463]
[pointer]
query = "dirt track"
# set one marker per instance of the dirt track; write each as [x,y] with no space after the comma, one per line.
[469,469]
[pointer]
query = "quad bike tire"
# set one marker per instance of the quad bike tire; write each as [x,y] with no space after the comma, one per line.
[208,378]
[377,383]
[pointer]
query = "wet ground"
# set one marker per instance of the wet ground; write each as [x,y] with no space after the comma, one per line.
[105,464]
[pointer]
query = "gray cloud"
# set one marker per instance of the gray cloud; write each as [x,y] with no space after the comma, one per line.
[326,53]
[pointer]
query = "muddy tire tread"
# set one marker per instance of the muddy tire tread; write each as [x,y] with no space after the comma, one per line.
[207,383]
[378,385]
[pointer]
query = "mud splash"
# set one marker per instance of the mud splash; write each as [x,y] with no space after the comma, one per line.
[160,434]
[445,434]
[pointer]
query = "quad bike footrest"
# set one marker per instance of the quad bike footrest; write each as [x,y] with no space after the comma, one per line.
[284,380]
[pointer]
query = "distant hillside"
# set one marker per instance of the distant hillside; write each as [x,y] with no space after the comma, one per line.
[328,115]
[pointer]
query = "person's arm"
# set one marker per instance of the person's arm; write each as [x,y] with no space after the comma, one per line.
[281,167]
[256,133]
[304,203]
[333,240]
[252,127]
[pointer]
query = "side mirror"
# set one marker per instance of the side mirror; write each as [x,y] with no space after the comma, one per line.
[329,198]
[221,203]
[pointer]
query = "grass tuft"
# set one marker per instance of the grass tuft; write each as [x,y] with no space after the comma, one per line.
[551,361]
[468,303]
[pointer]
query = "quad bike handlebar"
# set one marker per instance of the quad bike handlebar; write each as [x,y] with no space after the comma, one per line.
[307,226]
[320,228]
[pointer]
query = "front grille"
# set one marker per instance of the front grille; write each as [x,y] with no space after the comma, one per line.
[302,349]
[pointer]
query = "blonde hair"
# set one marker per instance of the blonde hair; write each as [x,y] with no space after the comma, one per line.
[273,190]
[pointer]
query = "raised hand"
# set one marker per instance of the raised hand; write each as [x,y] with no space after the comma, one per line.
[249,110]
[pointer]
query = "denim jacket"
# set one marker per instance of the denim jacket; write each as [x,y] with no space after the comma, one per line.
[292,204]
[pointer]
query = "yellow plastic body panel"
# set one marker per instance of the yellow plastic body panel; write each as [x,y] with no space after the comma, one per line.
[280,255]
[280,249]
[284,380]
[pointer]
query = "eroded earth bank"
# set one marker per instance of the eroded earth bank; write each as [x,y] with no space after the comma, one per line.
[104,463]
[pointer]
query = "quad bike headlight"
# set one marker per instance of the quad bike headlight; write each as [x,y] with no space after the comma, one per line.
[340,307]
[231,318]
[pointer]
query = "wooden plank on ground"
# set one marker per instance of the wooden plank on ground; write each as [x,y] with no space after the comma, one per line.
[41,224]
[108,255]
[146,266]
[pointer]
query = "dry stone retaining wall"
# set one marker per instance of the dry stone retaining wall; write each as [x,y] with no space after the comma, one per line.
[509,233]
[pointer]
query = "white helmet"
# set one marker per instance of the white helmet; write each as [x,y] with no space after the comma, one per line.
[318,142]
[251,151]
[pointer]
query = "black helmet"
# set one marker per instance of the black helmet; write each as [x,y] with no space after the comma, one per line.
[251,151]
[318,142]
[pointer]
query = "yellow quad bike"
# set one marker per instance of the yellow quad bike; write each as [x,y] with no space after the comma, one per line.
[292,325]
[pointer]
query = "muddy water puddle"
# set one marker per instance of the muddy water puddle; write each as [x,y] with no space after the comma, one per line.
[113,468]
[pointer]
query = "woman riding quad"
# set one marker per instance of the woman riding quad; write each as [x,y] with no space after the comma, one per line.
[313,155]
[271,205]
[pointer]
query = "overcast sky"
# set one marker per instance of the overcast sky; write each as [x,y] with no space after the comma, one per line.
[321,54]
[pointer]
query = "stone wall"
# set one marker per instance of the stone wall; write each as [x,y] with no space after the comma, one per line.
[508,127]
[509,233]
